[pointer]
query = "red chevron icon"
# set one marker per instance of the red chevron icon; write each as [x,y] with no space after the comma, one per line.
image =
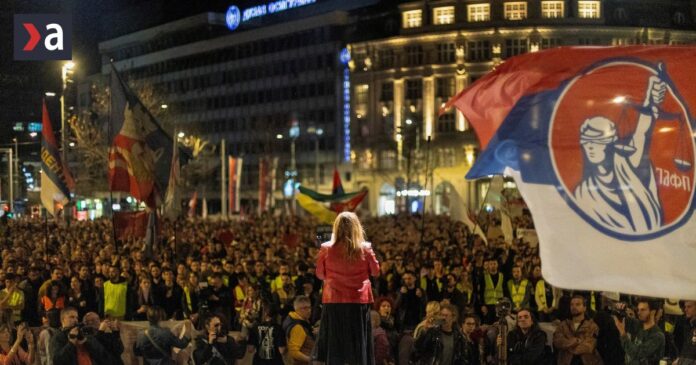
[34,36]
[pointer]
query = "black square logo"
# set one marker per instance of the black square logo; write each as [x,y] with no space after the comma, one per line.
[39,37]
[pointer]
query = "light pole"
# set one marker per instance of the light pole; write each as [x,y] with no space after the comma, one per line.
[66,70]
[293,134]
[317,132]
[16,163]
[11,179]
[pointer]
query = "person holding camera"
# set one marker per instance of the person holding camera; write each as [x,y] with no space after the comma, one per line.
[108,333]
[215,347]
[156,343]
[443,343]
[575,339]
[13,353]
[685,335]
[641,339]
[72,346]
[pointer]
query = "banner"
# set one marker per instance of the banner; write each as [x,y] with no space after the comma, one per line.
[56,180]
[130,224]
[172,200]
[264,182]
[234,183]
[600,143]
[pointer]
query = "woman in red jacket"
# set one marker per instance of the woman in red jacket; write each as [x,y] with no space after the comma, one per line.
[345,264]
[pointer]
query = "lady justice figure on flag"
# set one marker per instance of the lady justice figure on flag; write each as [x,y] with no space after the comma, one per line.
[618,187]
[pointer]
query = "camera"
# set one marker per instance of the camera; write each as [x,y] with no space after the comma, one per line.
[618,313]
[503,308]
[438,322]
[82,332]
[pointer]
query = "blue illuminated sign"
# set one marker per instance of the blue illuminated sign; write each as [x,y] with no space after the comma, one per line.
[234,16]
[344,56]
[34,127]
[346,114]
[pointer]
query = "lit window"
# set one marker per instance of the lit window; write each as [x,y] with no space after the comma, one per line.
[443,15]
[552,9]
[516,10]
[479,12]
[413,18]
[588,9]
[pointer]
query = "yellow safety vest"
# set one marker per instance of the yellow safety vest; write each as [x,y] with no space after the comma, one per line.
[492,294]
[115,297]
[517,293]
[593,301]
[239,295]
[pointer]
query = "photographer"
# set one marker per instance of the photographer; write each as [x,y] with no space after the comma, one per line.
[685,334]
[608,338]
[71,346]
[108,333]
[214,347]
[443,343]
[641,339]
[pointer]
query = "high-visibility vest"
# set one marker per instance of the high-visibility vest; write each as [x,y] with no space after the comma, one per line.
[593,301]
[492,294]
[517,293]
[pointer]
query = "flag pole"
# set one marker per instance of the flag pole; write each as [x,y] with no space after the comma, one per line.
[110,141]
[425,187]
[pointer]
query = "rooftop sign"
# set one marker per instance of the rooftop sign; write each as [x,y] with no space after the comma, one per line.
[235,16]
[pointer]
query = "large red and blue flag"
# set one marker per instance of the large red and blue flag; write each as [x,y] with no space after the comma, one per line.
[600,142]
[56,180]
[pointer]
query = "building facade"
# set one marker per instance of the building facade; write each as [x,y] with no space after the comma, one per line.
[267,79]
[399,83]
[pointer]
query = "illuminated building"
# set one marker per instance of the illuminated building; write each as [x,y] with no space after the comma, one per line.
[399,83]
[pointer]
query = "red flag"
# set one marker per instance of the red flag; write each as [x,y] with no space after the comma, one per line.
[130,224]
[192,204]
[349,205]
[132,162]
[337,185]
[234,183]
[266,174]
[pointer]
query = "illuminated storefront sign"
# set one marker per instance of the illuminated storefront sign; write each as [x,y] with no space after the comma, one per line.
[235,16]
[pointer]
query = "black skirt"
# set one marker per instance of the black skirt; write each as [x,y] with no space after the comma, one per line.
[345,335]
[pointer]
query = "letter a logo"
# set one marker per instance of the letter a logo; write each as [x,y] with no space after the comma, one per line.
[55,30]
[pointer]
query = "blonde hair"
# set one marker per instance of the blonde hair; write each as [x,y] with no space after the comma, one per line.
[432,309]
[348,231]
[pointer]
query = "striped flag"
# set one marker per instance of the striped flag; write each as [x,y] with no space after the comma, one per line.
[56,181]
[234,182]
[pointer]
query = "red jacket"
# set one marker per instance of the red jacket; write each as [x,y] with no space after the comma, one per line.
[346,281]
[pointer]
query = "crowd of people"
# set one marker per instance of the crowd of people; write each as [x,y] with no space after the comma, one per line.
[443,296]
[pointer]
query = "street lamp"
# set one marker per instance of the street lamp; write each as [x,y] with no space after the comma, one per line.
[10,155]
[181,135]
[317,133]
[50,94]
[66,71]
